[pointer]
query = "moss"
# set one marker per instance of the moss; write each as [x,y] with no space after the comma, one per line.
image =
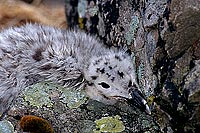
[6,127]
[35,124]
[109,124]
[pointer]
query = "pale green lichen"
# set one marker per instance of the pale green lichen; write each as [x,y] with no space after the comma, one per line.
[82,5]
[6,127]
[84,9]
[73,98]
[130,35]
[140,75]
[141,70]
[38,95]
[93,10]
[109,124]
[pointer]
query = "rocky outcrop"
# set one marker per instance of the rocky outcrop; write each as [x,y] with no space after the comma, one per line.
[163,37]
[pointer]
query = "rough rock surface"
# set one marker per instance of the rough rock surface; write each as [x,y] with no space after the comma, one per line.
[163,37]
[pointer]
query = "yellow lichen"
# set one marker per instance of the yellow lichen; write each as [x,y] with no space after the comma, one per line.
[81,23]
[150,99]
[109,124]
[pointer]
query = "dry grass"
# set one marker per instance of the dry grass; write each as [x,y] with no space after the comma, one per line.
[16,12]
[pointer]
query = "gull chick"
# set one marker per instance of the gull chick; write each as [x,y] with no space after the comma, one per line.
[34,53]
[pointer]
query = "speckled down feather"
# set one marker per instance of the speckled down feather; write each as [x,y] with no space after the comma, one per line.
[35,53]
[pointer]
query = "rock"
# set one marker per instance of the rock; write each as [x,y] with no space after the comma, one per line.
[163,38]
[6,127]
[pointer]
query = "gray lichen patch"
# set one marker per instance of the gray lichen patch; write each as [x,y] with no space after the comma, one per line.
[6,127]
[86,126]
[73,98]
[130,35]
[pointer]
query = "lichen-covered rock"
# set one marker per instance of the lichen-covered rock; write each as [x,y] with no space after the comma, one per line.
[65,118]
[163,37]
[37,95]
[109,124]
[6,127]
[73,98]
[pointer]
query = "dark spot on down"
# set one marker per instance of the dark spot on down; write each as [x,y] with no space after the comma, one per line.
[32,78]
[106,63]
[38,55]
[112,79]
[97,61]
[46,67]
[94,77]
[121,74]
[89,83]
[102,70]
[98,69]
[118,58]
[108,75]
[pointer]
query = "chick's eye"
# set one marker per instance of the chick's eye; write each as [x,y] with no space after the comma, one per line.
[104,85]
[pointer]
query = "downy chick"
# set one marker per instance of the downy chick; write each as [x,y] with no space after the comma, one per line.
[36,53]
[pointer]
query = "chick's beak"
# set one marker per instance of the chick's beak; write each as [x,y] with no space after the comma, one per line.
[137,99]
